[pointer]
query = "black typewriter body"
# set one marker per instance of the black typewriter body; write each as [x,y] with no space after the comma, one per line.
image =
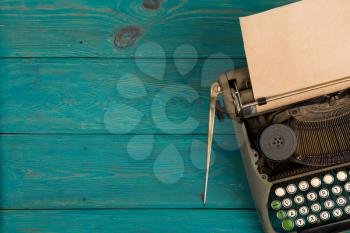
[296,157]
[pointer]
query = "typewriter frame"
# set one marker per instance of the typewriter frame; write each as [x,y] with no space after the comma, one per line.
[238,107]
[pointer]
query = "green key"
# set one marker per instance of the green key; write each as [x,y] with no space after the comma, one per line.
[276,205]
[287,224]
[281,214]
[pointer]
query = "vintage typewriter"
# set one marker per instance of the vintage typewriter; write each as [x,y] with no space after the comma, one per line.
[296,157]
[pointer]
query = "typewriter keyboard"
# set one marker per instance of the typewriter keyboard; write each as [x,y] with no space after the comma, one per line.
[310,201]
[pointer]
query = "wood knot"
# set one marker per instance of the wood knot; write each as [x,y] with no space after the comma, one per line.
[151,4]
[126,36]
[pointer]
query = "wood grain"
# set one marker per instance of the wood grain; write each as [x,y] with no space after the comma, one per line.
[115,28]
[84,96]
[131,221]
[110,171]
[70,160]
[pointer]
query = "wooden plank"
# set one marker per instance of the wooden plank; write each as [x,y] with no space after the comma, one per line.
[103,96]
[129,221]
[112,171]
[117,28]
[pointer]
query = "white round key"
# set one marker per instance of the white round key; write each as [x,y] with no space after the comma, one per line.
[342,176]
[303,210]
[329,204]
[347,209]
[300,222]
[299,199]
[315,182]
[324,215]
[337,213]
[280,192]
[328,179]
[323,193]
[336,190]
[316,207]
[303,185]
[291,189]
[347,187]
[287,202]
[341,201]
[311,196]
[311,218]
[292,213]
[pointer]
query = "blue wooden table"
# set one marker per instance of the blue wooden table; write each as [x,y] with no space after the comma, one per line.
[103,112]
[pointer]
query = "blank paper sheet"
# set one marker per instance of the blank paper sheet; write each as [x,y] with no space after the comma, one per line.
[296,46]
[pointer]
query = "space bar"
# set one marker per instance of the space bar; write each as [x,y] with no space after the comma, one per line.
[330,228]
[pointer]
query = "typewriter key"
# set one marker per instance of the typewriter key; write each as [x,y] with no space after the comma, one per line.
[311,196]
[300,222]
[303,185]
[342,176]
[337,213]
[292,213]
[287,224]
[312,218]
[328,179]
[287,202]
[278,142]
[315,182]
[347,186]
[316,207]
[324,215]
[299,199]
[303,210]
[291,189]
[281,214]
[329,204]
[324,193]
[336,190]
[347,209]
[280,192]
[276,205]
[341,201]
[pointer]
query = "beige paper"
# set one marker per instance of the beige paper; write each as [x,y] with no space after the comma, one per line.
[297,46]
